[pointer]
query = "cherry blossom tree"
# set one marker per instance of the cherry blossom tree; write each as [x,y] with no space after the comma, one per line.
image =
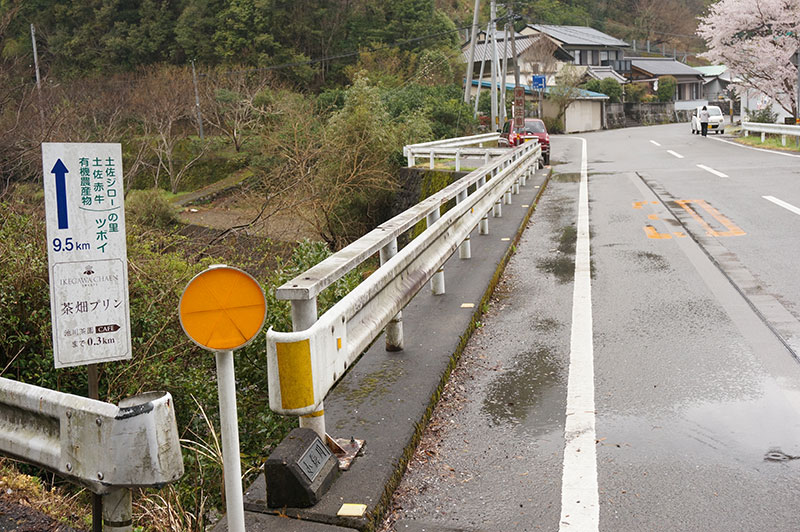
[756,40]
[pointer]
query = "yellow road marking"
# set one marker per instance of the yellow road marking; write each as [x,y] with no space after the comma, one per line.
[652,216]
[651,232]
[733,229]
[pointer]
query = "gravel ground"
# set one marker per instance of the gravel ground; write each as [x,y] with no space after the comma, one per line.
[16,517]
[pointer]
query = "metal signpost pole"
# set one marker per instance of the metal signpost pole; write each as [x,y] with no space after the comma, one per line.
[232,467]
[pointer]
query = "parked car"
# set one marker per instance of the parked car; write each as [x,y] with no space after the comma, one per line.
[534,129]
[715,119]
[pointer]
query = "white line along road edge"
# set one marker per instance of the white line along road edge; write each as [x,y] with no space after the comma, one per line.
[580,507]
[781,203]
[655,143]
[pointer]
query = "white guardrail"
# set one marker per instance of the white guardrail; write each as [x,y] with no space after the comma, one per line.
[454,149]
[101,446]
[305,364]
[772,129]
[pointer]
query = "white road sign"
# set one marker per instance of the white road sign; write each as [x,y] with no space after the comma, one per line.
[87,253]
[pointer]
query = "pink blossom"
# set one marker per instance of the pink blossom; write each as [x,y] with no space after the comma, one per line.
[756,40]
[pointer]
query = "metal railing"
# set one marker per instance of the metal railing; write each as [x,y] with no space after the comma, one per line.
[448,148]
[305,364]
[104,447]
[783,130]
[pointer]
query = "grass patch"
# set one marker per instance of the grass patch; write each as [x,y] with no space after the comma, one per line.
[771,142]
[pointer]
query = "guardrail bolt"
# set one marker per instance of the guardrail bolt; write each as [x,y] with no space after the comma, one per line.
[69,413]
[99,421]
[99,475]
[69,466]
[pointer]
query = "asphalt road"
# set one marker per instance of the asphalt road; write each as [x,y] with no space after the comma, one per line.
[675,354]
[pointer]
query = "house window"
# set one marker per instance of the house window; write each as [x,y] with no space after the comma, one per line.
[577,55]
[603,56]
[595,58]
[585,57]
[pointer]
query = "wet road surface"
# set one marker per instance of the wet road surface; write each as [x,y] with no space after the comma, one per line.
[695,382]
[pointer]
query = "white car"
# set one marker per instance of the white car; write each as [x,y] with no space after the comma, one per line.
[715,119]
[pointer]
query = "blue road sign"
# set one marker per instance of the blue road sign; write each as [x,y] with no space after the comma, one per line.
[538,83]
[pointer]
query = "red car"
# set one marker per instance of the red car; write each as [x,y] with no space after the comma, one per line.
[534,129]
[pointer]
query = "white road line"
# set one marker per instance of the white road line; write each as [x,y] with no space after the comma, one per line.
[781,203]
[656,143]
[580,505]
[709,169]
[776,152]
[678,155]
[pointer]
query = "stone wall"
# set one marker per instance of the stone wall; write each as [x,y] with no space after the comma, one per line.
[651,113]
[615,115]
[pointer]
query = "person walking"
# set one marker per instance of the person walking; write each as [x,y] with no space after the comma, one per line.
[703,116]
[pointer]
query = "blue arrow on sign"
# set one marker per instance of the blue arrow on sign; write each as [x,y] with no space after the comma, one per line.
[61,193]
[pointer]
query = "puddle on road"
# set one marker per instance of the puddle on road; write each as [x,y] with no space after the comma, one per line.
[562,264]
[529,394]
[760,425]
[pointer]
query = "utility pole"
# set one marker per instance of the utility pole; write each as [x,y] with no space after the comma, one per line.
[480,76]
[503,90]
[493,27]
[38,77]
[514,49]
[197,102]
[471,62]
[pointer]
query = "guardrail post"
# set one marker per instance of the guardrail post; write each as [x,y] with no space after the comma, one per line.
[486,158]
[432,166]
[465,249]
[411,161]
[458,160]
[507,196]
[483,226]
[118,511]
[304,315]
[783,140]
[762,136]
[394,330]
[497,210]
[437,281]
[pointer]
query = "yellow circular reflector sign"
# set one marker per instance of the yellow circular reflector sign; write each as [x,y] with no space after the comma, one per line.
[222,308]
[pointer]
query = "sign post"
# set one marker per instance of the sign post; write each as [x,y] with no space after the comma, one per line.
[87,253]
[519,107]
[88,260]
[222,309]
[539,83]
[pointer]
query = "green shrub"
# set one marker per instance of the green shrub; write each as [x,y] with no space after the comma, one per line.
[635,92]
[553,125]
[763,116]
[149,208]
[666,88]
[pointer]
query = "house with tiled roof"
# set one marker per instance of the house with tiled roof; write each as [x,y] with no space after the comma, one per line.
[587,46]
[689,91]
